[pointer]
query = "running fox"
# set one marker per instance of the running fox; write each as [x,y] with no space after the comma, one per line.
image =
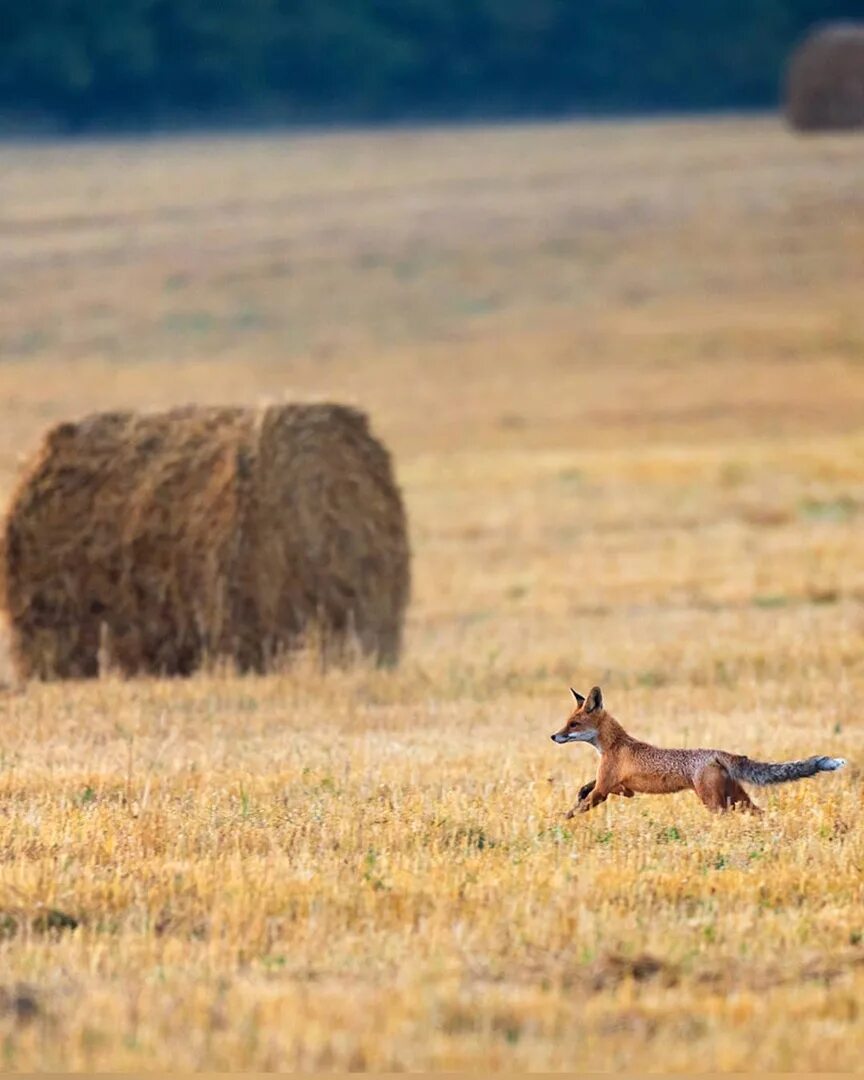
[628,766]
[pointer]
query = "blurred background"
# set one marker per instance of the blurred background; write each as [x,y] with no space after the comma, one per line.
[135,63]
[576,279]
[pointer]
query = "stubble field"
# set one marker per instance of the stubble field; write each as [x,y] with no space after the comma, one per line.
[621,370]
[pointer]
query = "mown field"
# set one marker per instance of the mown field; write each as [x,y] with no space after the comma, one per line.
[621,369]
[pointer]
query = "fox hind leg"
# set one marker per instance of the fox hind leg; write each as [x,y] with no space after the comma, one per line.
[710,786]
[718,791]
[738,799]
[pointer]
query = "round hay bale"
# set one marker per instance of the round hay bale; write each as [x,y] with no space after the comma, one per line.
[825,79]
[155,543]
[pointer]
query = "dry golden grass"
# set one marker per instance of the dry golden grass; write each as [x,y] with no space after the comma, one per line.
[622,371]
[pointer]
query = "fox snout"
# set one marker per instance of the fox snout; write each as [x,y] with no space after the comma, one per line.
[559,738]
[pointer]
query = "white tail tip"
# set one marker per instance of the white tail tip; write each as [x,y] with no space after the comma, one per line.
[832,763]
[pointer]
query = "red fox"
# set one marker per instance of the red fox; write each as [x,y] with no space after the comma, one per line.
[628,766]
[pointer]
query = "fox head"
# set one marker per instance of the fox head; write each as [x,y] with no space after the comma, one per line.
[582,724]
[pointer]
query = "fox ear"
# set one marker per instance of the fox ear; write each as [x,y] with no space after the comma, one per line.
[580,699]
[595,699]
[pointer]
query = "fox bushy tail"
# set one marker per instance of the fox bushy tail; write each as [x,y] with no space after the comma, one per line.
[763,772]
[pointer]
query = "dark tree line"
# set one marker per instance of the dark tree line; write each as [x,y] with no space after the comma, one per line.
[138,62]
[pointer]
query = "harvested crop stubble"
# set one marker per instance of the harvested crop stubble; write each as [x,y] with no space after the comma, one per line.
[156,543]
[825,79]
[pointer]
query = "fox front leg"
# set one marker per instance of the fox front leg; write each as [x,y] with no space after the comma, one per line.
[584,792]
[592,799]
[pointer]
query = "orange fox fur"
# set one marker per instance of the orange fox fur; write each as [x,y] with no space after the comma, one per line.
[628,767]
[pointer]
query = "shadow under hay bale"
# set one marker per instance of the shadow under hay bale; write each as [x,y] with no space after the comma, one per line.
[157,543]
[825,79]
